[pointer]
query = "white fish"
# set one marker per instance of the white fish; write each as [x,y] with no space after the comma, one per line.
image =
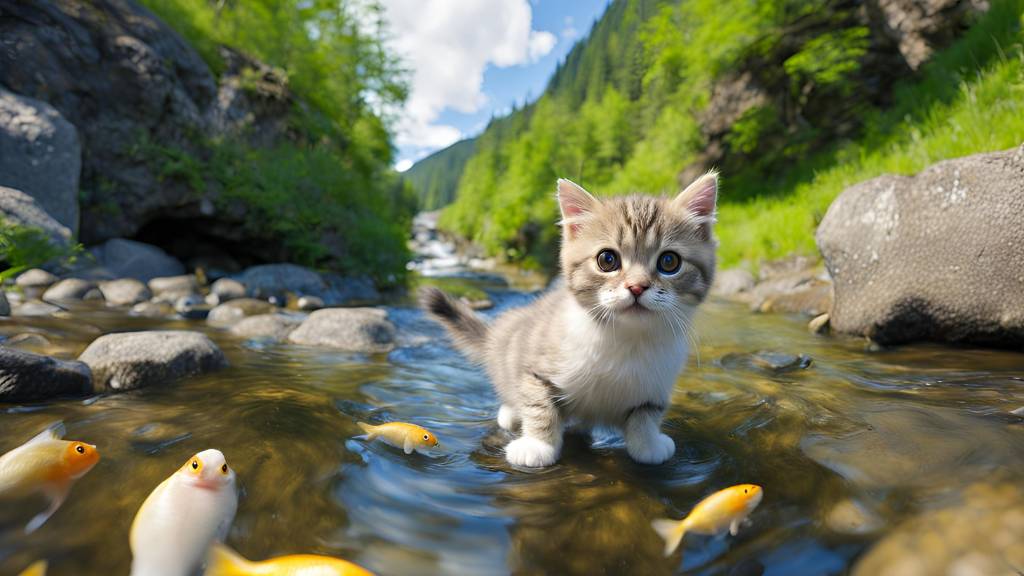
[183,516]
[48,465]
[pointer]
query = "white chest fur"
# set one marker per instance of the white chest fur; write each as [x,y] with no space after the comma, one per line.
[607,371]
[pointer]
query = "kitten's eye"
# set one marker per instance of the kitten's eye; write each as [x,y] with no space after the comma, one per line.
[668,263]
[608,260]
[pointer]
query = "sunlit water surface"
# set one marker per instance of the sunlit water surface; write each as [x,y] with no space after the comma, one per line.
[850,449]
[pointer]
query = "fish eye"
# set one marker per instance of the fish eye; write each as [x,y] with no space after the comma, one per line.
[669,262]
[426,436]
[80,449]
[224,468]
[744,490]
[195,465]
[608,260]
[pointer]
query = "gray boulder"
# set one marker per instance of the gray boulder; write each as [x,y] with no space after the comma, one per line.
[40,155]
[350,329]
[275,327]
[936,256]
[732,282]
[28,377]
[69,289]
[309,303]
[5,306]
[152,309]
[232,312]
[276,279]
[227,289]
[19,208]
[35,278]
[177,285]
[130,360]
[343,290]
[120,258]
[124,292]
[192,307]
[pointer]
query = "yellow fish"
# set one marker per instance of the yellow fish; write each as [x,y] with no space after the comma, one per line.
[408,437]
[36,569]
[225,562]
[724,509]
[183,516]
[45,464]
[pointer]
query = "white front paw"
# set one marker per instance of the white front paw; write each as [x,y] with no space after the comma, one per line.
[530,452]
[653,450]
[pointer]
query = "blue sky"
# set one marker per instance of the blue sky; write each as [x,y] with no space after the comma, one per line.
[473,59]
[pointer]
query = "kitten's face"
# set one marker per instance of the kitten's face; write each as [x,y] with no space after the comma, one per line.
[638,259]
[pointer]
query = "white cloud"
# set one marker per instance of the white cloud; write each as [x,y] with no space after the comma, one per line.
[403,165]
[570,33]
[447,44]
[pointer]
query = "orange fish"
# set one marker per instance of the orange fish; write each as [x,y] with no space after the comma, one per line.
[408,437]
[48,465]
[225,562]
[724,509]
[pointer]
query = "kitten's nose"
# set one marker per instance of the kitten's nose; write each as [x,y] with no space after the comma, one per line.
[637,289]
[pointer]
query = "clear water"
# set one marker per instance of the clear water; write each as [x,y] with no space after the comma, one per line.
[848,450]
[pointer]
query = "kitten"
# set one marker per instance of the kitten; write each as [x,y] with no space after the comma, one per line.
[603,347]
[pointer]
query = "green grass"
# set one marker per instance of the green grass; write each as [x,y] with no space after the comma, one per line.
[969,99]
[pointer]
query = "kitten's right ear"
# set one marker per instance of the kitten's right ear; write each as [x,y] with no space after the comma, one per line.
[575,204]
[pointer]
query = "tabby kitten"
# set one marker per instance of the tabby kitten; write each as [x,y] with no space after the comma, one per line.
[603,347]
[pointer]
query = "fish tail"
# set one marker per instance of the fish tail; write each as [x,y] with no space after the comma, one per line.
[469,333]
[223,561]
[672,531]
[38,568]
[371,431]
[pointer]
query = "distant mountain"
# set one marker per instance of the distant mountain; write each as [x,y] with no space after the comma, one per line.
[436,177]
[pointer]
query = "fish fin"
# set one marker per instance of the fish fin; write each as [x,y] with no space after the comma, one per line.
[57,495]
[38,568]
[54,431]
[408,446]
[223,561]
[671,531]
[734,527]
[370,430]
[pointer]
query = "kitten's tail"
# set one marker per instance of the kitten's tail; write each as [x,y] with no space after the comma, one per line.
[467,330]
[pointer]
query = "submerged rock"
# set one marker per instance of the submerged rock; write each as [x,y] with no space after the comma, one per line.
[350,329]
[936,256]
[275,327]
[767,361]
[130,360]
[978,535]
[152,309]
[192,307]
[232,312]
[28,377]
[124,292]
[69,289]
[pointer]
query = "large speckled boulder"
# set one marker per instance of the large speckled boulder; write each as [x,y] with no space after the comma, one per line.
[130,360]
[121,258]
[27,377]
[273,327]
[350,329]
[17,207]
[936,256]
[40,155]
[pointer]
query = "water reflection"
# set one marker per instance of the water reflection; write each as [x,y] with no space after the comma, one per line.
[862,454]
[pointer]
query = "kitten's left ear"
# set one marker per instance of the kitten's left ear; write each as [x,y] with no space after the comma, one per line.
[699,199]
[575,204]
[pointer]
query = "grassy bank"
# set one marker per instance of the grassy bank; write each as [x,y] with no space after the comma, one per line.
[969,99]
